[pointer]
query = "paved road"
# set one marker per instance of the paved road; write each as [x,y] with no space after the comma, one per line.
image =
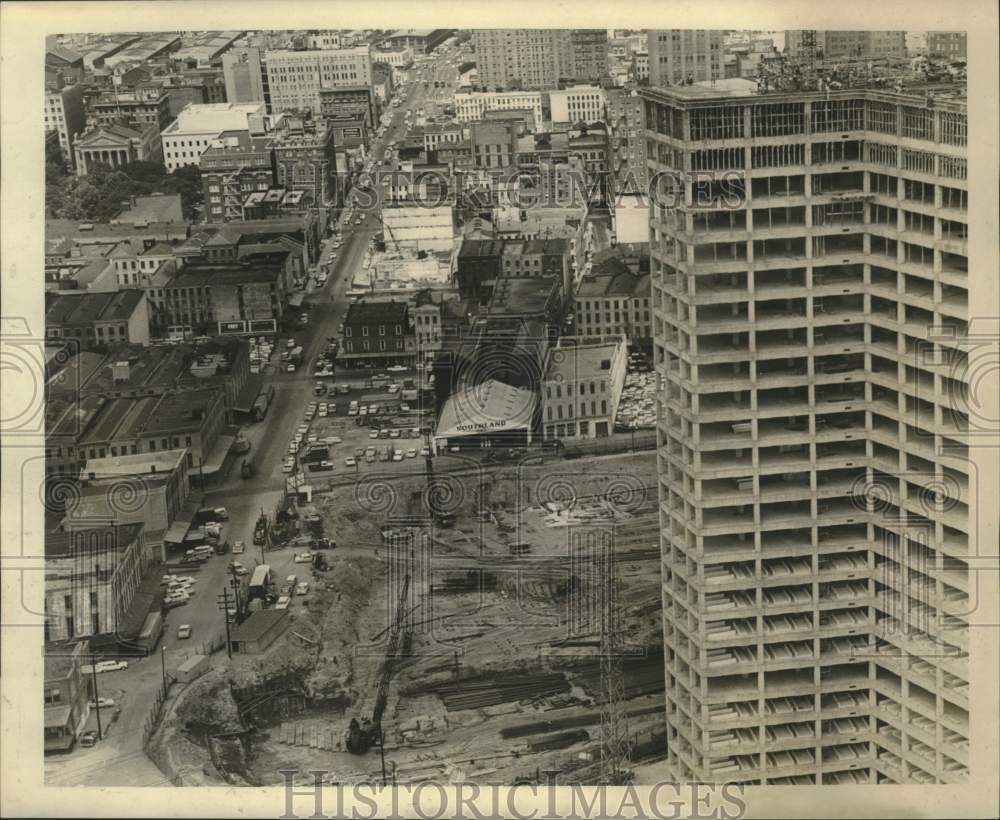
[119,758]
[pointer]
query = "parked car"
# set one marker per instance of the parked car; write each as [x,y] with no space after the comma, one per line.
[290,368]
[111,666]
[411,453]
[302,588]
[238,547]
[397,455]
[303,558]
[88,738]
[184,631]
[221,513]
[283,602]
[104,703]
[349,461]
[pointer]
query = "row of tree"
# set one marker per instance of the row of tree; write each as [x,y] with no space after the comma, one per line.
[98,196]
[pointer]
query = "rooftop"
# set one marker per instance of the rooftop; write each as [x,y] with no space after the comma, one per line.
[258,624]
[200,118]
[63,544]
[152,208]
[91,307]
[488,407]
[162,461]
[364,313]
[182,410]
[569,362]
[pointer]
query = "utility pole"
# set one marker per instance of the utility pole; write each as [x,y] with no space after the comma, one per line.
[163,665]
[224,600]
[97,696]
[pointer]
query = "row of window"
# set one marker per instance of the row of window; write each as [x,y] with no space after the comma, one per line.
[570,408]
[365,347]
[381,330]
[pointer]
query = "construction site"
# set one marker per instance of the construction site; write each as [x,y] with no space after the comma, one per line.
[493,624]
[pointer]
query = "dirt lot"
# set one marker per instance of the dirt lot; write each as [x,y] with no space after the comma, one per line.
[496,677]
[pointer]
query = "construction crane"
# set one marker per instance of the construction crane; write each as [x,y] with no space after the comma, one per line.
[367,732]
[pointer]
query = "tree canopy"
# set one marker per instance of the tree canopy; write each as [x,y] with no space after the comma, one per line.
[99,195]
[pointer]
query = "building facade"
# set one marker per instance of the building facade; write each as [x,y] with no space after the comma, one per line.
[785,314]
[612,300]
[677,56]
[947,44]
[539,58]
[377,334]
[245,76]
[137,108]
[91,577]
[576,104]
[295,78]
[116,146]
[65,695]
[199,126]
[472,106]
[64,114]
[582,387]
[833,44]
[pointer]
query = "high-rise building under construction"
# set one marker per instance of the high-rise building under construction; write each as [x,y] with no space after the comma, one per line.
[810,292]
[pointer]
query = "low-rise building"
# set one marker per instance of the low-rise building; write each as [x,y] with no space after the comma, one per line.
[91,576]
[377,334]
[576,104]
[136,108]
[149,489]
[95,319]
[582,386]
[471,106]
[65,695]
[612,300]
[478,266]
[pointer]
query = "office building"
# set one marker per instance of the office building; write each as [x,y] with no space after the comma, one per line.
[472,106]
[232,168]
[946,44]
[808,333]
[199,126]
[245,76]
[532,58]
[832,44]
[679,56]
[576,104]
[295,78]
[135,108]
[612,299]
[64,114]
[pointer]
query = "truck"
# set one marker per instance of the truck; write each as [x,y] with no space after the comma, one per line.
[260,582]
[263,402]
[295,357]
[260,530]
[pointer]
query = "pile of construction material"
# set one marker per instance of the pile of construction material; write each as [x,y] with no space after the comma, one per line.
[490,691]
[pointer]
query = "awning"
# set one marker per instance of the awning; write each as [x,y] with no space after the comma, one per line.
[57,716]
[213,463]
[248,395]
[176,533]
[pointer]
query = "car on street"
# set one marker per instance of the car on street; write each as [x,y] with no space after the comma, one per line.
[283,602]
[104,666]
[396,368]
[424,451]
[221,513]
[326,465]
[303,557]
[411,453]
[302,588]
[397,455]
[290,368]
[88,738]
[184,631]
[238,547]
[349,461]
[373,434]
[104,703]
[333,440]
[393,388]
[394,433]
[170,603]
[288,467]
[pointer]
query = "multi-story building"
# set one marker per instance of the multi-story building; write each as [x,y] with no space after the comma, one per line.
[627,146]
[65,695]
[96,319]
[397,57]
[422,41]
[295,78]
[539,58]
[349,101]
[478,266]
[64,114]
[472,106]
[136,108]
[91,576]
[809,315]
[377,333]
[304,157]
[233,167]
[947,44]
[245,76]
[492,144]
[611,300]
[160,479]
[576,104]
[847,43]
[199,126]
[327,38]
[581,387]
[679,55]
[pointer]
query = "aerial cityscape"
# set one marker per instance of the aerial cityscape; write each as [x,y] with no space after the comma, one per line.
[507,406]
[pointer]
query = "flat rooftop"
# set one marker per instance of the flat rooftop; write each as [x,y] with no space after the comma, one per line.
[161,461]
[570,363]
[200,118]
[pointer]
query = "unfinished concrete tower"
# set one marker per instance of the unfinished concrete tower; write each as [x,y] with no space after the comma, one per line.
[810,300]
